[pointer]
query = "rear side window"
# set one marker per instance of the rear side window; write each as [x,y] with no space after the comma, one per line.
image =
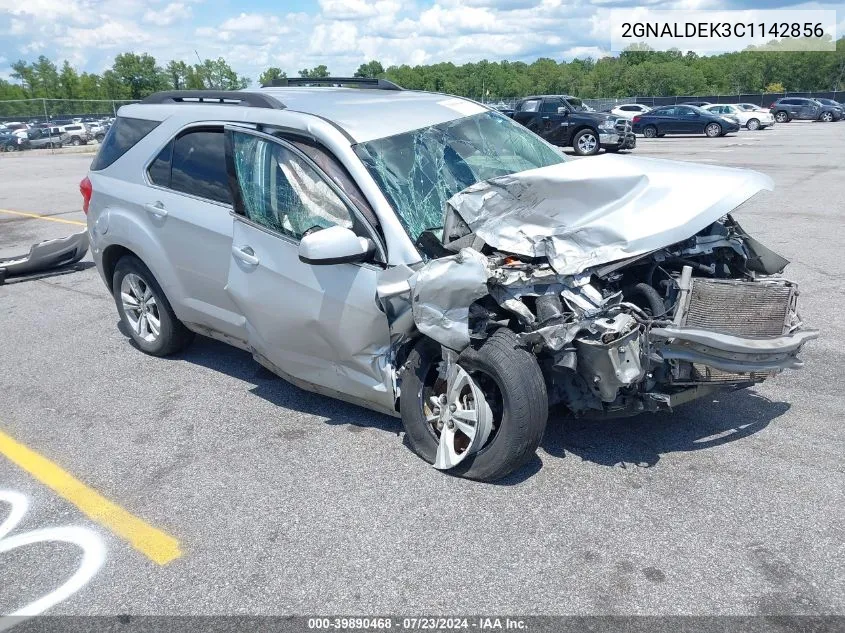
[122,136]
[532,105]
[198,165]
[160,167]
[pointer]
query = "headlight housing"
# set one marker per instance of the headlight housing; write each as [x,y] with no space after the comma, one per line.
[608,124]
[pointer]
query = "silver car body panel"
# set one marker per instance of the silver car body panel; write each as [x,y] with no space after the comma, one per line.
[47,254]
[337,329]
[581,214]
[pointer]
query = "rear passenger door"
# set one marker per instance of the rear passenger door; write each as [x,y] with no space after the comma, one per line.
[318,324]
[188,208]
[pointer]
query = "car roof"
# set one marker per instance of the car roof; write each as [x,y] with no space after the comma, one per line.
[363,114]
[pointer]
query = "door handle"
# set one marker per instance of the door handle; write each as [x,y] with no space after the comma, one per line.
[156,208]
[245,254]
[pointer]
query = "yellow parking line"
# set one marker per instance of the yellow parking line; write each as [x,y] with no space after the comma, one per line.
[42,217]
[153,543]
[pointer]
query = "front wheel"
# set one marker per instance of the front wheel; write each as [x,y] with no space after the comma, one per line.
[145,311]
[649,131]
[713,130]
[586,143]
[827,117]
[76,142]
[753,124]
[500,383]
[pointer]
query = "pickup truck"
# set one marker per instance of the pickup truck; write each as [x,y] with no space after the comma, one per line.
[565,121]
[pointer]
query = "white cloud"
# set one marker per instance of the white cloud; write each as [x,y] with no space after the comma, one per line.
[172,13]
[339,33]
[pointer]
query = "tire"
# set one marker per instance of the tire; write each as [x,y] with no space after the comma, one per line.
[753,124]
[522,404]
[827,117]
[100,137]
[712,130]
[75,141]
[782,116]
[173,335]
[586,143]
[8,148]
[650,131]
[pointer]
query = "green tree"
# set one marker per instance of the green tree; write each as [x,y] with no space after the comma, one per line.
[176,72]
[69,81]
[370,69]
[318,72]
[216,74]
[139,73]
[268,76]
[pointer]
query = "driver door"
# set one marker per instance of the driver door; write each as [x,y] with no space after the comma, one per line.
[318,325]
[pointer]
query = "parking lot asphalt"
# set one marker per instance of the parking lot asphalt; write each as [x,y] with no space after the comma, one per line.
[286,502]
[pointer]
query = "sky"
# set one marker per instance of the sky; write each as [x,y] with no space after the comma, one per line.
[342,34]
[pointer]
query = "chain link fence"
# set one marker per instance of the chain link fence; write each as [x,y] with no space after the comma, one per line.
[43,110]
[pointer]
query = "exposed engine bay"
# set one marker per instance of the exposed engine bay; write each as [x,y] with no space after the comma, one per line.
[613,334]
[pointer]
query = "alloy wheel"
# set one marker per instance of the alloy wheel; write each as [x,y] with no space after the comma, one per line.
[459,416]
[713,130]
[140,307]
[588,143]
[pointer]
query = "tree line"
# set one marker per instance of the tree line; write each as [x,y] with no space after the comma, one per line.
[633,72]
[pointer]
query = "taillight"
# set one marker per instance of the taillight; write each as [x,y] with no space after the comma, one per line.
[86,190]
[636,119]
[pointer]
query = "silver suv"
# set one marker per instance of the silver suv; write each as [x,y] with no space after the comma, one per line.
[428,257]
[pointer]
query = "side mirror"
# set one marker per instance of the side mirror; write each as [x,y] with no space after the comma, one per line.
[334,245]
[562,110]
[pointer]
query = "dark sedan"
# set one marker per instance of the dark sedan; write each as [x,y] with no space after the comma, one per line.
[12,143]
[682,119]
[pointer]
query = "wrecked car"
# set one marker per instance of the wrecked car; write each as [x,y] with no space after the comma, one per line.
[427,257]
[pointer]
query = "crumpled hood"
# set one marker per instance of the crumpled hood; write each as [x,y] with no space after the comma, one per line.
[585,213]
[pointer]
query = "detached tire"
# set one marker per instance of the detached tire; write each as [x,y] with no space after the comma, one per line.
[520,408]
[132,278]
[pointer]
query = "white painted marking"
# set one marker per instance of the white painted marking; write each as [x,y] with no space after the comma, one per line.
[93,556]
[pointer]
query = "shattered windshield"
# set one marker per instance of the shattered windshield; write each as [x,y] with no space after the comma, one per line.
[419,171]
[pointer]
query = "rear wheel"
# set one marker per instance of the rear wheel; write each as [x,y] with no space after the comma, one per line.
[483,421]
[713,130]
[649,131]
[827,117]
[782,117]
[753,124]
[586,143]
[145,311]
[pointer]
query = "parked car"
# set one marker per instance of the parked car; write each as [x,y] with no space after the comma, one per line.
[682,119]
[12,142]
[749,119]
[18,129]
[629,110]
[78,133]
[751,107]
[564,121]
[833,104]
[40,138]
[97,131]
[801,108]
[431,259]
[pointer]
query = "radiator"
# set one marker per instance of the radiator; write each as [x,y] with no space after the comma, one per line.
[742,308]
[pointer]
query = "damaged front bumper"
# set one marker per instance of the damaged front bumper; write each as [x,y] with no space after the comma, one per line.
[46,255]
[729,353]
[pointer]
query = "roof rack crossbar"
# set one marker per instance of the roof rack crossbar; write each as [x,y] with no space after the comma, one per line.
[361,82]
[216,97]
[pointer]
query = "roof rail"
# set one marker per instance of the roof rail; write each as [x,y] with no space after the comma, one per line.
[360,82]
[216,97]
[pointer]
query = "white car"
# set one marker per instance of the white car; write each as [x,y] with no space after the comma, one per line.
[750,119]
[630,110]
